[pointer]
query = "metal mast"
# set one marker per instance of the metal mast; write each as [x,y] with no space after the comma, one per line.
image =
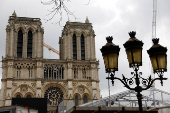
[154,19]
[153,36]
[154,31]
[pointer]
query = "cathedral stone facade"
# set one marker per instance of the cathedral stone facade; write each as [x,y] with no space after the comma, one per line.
[26,74]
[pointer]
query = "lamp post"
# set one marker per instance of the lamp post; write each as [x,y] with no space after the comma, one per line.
[133,46]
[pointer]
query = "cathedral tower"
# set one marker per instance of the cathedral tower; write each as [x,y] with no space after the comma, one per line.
[23,59]
[78,41]
[24,37]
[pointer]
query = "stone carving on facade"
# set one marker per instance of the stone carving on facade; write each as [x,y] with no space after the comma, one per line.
[70,66]
[53,65]
[24,65]
[70,97]
[39,65]
[33,85]
[82,27]
[8,28]
[80,67]
[88,84]
[74,85]
[20,26]
[45,84]
[8,96]
[32,28]
[4,66]
[91,33]
[14,85]
[23,88]
[81,89]
[28,22]
[58,84]
[94,97]
[38,96]
[65,32]
[78,34]
[64,84]
[60,40]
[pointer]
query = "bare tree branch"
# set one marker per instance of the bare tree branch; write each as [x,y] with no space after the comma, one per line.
[59,5]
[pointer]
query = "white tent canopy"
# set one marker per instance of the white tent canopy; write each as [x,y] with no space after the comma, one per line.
[151,98]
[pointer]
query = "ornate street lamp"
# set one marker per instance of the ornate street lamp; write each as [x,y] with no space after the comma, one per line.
[134,50]
[110,54]
[133,46]
[157,54]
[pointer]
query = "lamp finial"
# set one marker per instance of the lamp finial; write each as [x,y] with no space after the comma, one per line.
[155,40]
[132,34]
[109,39]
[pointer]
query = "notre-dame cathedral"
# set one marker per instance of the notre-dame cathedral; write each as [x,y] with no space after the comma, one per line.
[26,74]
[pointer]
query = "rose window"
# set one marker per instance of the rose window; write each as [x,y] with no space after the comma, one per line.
[54,95]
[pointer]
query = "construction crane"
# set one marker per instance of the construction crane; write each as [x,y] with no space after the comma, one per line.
[51,49]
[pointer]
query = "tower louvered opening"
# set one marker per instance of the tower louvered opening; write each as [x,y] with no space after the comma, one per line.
[74,47]
[19,44]
[29,44]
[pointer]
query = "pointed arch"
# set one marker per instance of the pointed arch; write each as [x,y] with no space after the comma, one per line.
[17,89]
[77,99]
[84,33]
[85,99]
[29,44]
[20,44]
[74,47]
[18,95]
[20,27]
[86,91]
[29,95]
[31,28]
[82,48]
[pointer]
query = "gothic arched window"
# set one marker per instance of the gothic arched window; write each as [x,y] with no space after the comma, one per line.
[19,44]
[28,96]
[29,44]
[82,48]
[18,96]
[74,47]
[76,100]
[85,99]
[53,72]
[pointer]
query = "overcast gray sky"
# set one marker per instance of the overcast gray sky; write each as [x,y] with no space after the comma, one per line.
[109,18]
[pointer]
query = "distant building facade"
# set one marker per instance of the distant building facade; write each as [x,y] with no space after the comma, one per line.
[26,74]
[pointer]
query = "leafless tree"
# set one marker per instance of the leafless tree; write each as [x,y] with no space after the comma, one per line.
[57,9]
